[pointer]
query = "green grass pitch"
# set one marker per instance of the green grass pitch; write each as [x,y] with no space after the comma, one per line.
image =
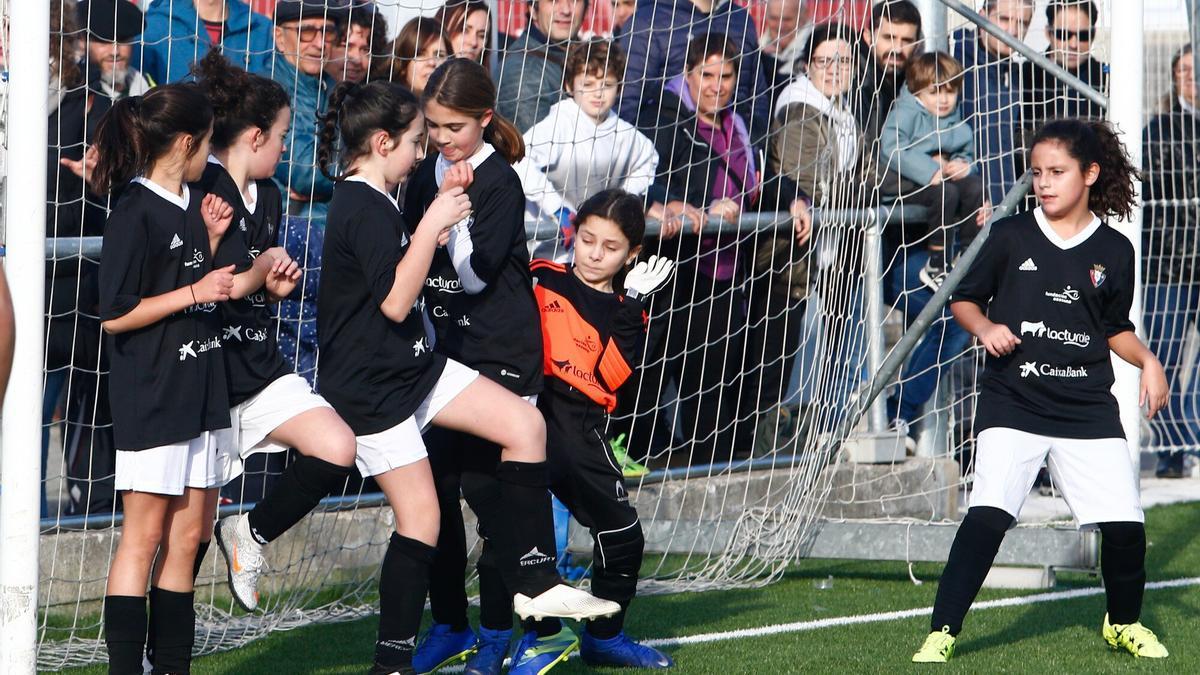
[1061,636]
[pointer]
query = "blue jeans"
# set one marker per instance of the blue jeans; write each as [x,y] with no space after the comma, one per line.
[51,394]
[1170,313]
[845,354]
[944,340]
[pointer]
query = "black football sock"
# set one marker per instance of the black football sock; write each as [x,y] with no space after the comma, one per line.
[173,622]
[200,551]
[1123,567]
[544,628]
[495,601]
[971,557]
[125,633]
[403,583]
[525,533]
[303,485]
[937,258]
[447,574]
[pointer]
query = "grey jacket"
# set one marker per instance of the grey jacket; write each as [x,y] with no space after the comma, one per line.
[911,136]
[531,79]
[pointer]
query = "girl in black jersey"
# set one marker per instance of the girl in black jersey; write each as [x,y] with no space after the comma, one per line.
[273,408]
[380,373]
[481,302]
[158,293]
[1049,297]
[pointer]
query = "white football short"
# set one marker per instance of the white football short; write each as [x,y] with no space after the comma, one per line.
[401,445]
[168,469]
[254,419]
[1095,475]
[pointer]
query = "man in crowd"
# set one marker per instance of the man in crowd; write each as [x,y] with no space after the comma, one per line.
[1071,28]
[656,41]
[890,38]
[366,31]
[112,28]
[531,74]
[991,93]
[786,24]
[180,32]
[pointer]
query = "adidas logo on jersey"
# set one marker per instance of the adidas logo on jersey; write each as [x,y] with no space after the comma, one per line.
[176,242]
[534,557]
[554,306]
[242,224]
[1028,266]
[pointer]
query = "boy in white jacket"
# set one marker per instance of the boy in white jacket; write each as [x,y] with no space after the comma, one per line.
[581,147]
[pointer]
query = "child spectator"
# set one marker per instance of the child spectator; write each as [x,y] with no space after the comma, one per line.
[582,147]
[930,149]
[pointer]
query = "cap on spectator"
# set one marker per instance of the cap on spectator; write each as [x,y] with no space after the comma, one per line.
[296,10]
[111,20]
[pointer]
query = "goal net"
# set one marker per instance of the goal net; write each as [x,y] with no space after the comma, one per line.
[749,408]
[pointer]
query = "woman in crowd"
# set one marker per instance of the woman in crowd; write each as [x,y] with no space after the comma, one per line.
[467,25]
[705,159]
[817,143]
[415,53]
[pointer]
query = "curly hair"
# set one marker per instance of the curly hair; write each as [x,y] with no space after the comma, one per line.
[1096,142]
[240,99]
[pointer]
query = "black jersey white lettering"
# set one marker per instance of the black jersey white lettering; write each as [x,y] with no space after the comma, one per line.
[374,371]
[1063,299]
[168,379]
[482,307]
[253,364]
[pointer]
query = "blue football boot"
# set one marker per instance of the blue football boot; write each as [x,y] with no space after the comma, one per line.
[441,646]
[621,651]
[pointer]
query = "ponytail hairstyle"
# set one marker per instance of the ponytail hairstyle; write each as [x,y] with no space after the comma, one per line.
[1095,142]
[356,111]
[622,208]
[466,88]
[139,130]
[240,100]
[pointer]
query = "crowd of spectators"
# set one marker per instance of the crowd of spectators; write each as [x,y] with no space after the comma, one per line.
[709,110]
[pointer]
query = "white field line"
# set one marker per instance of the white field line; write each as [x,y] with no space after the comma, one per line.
[802,626]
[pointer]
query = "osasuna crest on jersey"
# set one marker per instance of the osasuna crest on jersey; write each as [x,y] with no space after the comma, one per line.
[1097,275]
